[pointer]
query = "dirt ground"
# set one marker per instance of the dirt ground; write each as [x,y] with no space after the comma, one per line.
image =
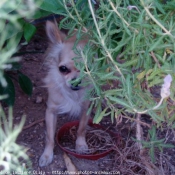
[122,161]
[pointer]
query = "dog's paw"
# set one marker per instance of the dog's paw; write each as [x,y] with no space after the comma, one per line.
[45,159]
[81,145]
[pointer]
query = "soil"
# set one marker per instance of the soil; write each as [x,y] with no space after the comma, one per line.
[122,161]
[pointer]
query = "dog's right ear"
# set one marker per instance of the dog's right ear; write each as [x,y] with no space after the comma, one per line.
[54,34]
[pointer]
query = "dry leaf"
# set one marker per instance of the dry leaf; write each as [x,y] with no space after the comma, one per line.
[69,165]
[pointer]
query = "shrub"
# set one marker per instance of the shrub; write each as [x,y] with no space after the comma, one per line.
[132,43]
[130,53]
[12,156]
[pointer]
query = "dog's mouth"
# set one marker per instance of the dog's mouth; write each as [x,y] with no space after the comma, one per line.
[75,88]
[75,84]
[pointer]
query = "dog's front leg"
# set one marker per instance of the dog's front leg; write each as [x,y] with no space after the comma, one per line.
[51,120]
[81,145]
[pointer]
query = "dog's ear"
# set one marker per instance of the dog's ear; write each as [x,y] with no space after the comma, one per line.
[54,34]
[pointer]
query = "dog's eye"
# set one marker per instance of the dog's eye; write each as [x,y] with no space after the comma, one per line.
[64,69]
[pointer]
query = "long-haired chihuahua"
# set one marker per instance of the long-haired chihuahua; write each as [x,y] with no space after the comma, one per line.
[64,97]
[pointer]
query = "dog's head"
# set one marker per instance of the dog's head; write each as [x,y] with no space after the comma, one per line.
[61,50]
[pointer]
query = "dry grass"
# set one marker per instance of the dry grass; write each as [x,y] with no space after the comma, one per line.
[127,157]
[129,160]
[98,140]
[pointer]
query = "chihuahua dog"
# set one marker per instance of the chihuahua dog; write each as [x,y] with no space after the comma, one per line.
[63,96]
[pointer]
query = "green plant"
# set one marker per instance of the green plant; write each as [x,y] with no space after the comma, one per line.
[130,52]
[154,143]
[24,28]
[23,80]
[12,156]
[132,45]
[14,20]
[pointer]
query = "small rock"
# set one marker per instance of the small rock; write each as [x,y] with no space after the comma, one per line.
[41,124]
[39,99]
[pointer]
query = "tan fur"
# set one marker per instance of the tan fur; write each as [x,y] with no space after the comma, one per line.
[61,97]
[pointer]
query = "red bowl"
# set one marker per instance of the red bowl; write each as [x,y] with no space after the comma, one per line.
[69,125]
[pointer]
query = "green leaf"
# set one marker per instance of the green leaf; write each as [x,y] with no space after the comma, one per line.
[16,66]
[145,144]
[100,116]
[41,13]
[8,90]
[29,31]
[151,152]
[107,76]
[152,133]
[98,111]
[167,145]
[53,6]
[112,92]
[173,126]
[156,142]
[14,40]
[159,6]
[129,63]
[129,86]
[141,75]
[11,31]
[154,82]
[90,108]
[112,116]
[155,117]
[156,44]
[25,83]
[119,101]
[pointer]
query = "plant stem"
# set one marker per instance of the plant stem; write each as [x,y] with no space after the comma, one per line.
[145,111]
[71,16]
[124,116]
[155,20]
[139,132]
[102,40]
[87,69]
[155,59]
[115,10]
[73,4]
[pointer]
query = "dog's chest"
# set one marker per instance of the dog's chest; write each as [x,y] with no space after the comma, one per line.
[70,103]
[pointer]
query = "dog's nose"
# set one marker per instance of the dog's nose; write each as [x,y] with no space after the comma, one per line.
[75,84]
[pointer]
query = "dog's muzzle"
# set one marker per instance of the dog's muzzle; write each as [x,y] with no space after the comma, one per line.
[75,86]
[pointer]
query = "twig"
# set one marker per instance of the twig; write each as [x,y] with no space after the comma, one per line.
[149,166]
[138,121]
[147,86]
[139,133]
[155,59]
[34,123]
[161,165]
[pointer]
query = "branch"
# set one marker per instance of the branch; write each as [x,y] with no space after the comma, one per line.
[34,123]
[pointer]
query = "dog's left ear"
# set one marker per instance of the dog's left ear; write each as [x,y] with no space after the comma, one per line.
[54,34]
